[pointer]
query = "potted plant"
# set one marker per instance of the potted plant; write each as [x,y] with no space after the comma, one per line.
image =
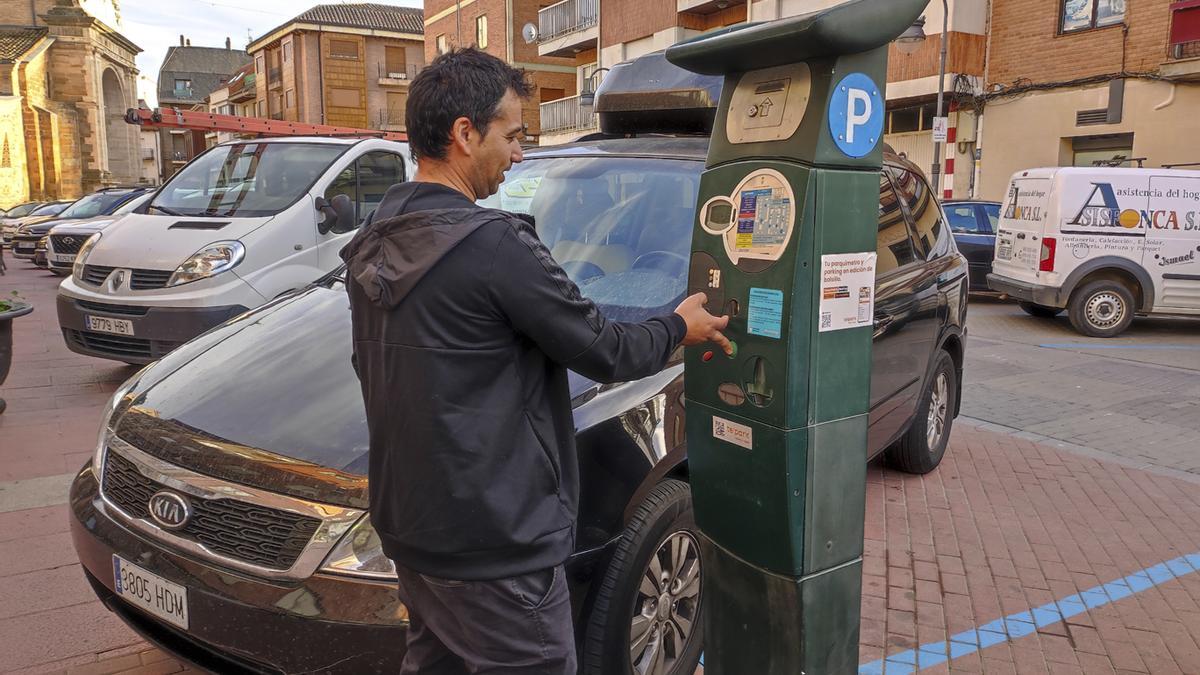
[10,308]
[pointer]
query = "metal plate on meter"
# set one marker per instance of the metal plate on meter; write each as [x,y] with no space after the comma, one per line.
[768,104]
[757,220]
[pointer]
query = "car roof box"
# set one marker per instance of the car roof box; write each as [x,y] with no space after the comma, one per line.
[649,95]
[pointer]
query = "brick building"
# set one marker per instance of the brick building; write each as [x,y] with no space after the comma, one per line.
[344,64]
[187,77]
[498,27]
[1087,80]
[66,79]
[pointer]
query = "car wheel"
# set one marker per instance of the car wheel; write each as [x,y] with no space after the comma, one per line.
[646,616]
[1040,311]
[1101,309]
[922,447]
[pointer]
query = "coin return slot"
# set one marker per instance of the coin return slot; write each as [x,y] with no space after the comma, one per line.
[731,394]
[758,390]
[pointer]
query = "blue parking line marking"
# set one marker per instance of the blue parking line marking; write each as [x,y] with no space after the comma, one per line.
[1084,345]
[1020,624]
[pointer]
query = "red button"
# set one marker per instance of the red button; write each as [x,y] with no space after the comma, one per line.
[707,356]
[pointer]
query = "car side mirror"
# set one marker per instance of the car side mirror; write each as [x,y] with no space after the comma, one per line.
[338,212]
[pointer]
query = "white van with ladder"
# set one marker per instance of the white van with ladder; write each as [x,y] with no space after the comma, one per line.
[1102,243]
[238,226]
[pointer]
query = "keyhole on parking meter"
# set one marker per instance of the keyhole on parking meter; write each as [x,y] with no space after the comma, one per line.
[758,391]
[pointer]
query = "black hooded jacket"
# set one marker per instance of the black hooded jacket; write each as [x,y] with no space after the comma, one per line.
[464,328]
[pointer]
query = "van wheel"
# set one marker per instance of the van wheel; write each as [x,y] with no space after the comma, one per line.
[1102,309]
[1040,311]
[646,616]
[922,447]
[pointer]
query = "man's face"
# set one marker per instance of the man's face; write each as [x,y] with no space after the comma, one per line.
[499,149]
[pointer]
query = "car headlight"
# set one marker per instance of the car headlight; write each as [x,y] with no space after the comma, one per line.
[360,554]
[106,422]
[77,268]
[211,261]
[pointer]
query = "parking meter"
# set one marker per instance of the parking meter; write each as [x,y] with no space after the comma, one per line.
[784,244]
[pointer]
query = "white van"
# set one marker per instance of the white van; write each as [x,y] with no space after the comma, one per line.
[241,224]
[1104,244]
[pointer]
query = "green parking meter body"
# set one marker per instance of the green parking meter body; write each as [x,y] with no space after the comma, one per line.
[785,244]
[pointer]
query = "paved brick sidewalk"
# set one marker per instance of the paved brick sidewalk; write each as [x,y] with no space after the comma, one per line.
[1002,527]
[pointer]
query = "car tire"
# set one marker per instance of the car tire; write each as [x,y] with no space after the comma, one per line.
[922,447]
[1040,311]
[1101,309]
[662,532]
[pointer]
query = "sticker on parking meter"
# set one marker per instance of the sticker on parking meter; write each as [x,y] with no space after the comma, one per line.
[847,291]
[732,432]
[757,220]
[856,115]
[765,312]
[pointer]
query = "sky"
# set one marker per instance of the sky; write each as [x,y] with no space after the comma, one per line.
[155,26]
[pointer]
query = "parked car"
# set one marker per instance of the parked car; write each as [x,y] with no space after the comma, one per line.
[18,211]
[223,515]
[1102,243]
[973,223]
[37,215]
[99,203]
[276,210]
[65,239]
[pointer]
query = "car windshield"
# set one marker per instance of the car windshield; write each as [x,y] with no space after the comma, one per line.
[621,227]
[51,209]
[97,204]
[250,179]
[22,210]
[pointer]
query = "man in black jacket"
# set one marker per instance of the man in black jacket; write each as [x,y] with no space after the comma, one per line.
[464,328]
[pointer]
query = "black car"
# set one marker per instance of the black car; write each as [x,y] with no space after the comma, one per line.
[223,516]
[100,203]
[973,223]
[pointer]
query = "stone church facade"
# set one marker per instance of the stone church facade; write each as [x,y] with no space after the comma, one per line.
[66,80]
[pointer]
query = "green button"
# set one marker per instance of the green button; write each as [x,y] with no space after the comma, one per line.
[734,345]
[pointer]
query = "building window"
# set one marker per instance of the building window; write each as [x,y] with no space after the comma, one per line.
[259,64]
[1104,150]
[1084,14]
[916,118]
[290,98]
[481,31]
[183,85]
[441,44]
[287,52]
[343,49]
[395,62]
[262,108]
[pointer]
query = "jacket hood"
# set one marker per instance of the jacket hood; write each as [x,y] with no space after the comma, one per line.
[391,255]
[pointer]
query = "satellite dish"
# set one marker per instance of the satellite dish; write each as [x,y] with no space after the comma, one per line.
[530,32]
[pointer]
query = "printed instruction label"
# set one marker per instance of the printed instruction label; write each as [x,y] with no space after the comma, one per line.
[847,291]
[732,432]
[765,312]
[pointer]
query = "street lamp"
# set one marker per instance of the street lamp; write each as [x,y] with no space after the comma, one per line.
[908,43]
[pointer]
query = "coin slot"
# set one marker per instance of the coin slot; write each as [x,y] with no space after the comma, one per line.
[758,390]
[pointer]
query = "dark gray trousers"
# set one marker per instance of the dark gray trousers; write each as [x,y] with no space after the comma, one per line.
[503,627]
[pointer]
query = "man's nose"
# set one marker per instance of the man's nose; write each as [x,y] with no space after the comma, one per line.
[518,155]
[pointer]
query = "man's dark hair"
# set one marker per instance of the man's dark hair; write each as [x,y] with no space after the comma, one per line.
[460,83]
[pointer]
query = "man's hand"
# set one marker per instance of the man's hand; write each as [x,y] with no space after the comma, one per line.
[702,326]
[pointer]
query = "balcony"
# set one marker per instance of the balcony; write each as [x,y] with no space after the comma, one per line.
[568,27]
[1183,49]
[398,75]
[566,115]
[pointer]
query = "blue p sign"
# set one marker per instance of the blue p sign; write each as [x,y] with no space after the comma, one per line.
[856,115]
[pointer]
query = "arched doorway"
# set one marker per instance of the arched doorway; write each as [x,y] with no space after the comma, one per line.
[121,143]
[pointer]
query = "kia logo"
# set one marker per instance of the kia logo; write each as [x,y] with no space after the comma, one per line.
[170,510]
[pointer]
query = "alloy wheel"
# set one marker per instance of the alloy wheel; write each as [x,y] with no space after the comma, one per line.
[936,421]
[667,606]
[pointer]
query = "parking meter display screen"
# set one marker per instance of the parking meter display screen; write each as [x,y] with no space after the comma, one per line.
[621,227]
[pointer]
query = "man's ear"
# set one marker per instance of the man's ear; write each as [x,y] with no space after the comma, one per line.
[462,135]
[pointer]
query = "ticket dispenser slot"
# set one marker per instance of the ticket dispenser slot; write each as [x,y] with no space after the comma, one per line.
[777,433]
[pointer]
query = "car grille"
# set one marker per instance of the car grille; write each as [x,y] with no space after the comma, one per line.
[141,280]
[119,346]
[67,243]
[228,527]
[123,310]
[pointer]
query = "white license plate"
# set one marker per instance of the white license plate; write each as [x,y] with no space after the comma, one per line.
[104,324]
[1004,251]
[156,595]
[26,248]
[63,257]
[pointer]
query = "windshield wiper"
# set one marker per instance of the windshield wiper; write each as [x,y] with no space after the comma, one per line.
[165,210]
